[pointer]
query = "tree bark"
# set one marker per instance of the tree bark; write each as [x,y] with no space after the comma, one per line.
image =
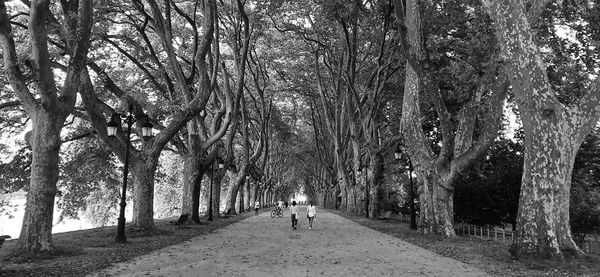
[191,173]
[196,191]
[376,184]
[247,195]
[36,231]
[216,196]
[143,194]
[236,181]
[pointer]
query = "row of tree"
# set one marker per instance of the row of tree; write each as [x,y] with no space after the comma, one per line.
[196,70]
[452,66]
[303,95]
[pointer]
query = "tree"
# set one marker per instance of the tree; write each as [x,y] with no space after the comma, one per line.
[189,93]
[50,104]
[553,132]
[473,98]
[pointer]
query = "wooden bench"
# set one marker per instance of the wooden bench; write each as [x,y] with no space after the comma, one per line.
[183,219]
[2,238]
[387,215]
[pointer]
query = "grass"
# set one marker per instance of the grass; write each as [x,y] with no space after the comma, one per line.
[488,255]
[81,252]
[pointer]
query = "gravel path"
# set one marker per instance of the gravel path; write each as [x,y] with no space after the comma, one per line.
[262,246]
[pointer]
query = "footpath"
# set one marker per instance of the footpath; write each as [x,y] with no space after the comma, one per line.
[265,246]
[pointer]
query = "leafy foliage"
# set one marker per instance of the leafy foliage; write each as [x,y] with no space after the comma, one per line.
[89,176]
[585,189]
[489,193]
[169,183]
[14,174]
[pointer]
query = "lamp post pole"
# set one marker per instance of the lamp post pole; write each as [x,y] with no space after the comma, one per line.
[111,130]
[210,194]
[121,221]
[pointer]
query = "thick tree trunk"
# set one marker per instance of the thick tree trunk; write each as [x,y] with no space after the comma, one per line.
[196,195]
[255,195]
[443,203]
[36,231]
[543,218]
[191,172]
[217,195]
[376,185]
[242,197]
[143,194]
[437,206]
[232,193]
[247,195]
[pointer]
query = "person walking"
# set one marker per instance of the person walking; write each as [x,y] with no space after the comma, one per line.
[294,214]
[256,207]
[311,213]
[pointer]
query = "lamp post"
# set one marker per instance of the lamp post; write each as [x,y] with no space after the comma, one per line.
[111,130]
[413,215]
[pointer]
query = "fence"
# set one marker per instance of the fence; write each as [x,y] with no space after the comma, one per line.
[483,232]
[590,245]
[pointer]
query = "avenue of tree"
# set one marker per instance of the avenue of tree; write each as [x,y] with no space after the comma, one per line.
[302,96]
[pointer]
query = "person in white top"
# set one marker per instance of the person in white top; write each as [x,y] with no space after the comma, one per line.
[294,213]
[256,207]
[311,213]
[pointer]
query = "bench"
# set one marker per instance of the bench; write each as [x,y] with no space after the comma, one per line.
[2,238]
[183,219]
[387,215]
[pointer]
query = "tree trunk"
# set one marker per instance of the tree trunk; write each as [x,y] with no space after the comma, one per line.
[217,195]
[247,195]
[232,193]
[196,191]
[143,194]
[543,219]
[36,231]
[376,184]
[191,172]
[255,194]
[242,197]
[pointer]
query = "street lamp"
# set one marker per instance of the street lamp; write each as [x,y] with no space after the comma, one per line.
[212,176]
[111,129]
[413,214]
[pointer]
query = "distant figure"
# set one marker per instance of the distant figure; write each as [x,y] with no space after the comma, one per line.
[280,205]
[311,213]
[286,204]
[294,213]
[256,207]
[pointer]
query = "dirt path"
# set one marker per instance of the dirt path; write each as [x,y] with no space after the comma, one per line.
[262,246]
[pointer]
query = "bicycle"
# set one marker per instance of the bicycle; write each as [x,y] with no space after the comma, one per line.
[277,212]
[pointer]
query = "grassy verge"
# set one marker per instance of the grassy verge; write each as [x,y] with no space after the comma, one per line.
[490,255]
[81,252]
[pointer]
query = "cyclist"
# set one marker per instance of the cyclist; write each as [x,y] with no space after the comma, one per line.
[280,205]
